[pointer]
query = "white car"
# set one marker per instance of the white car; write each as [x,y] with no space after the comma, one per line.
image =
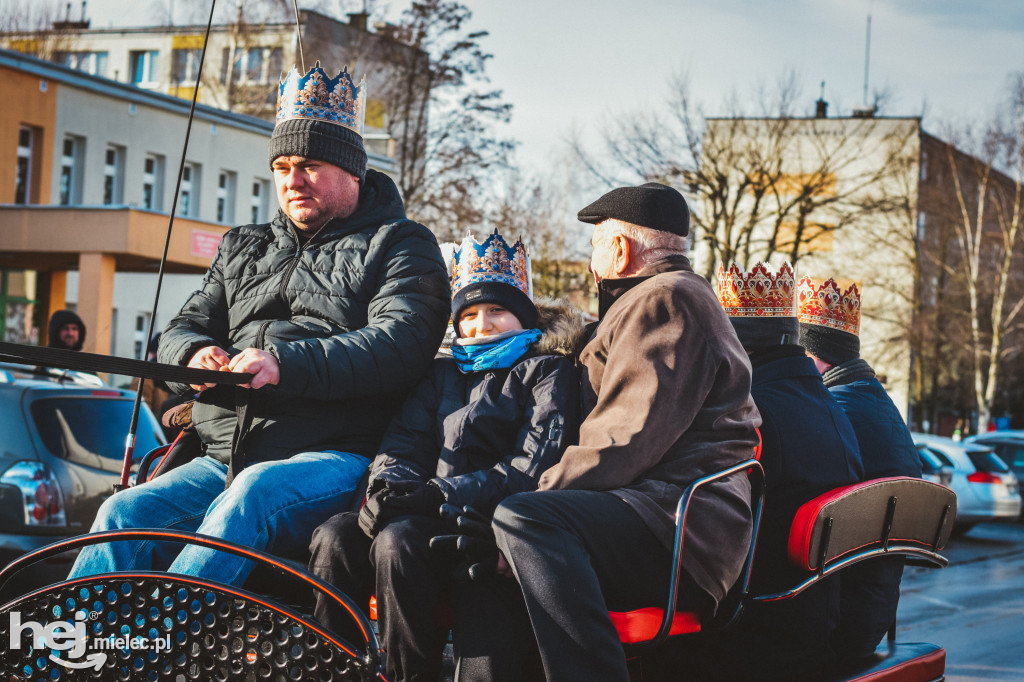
[986,489]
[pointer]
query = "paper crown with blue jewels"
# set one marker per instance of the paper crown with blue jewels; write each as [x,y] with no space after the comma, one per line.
[318,97]
[491,261]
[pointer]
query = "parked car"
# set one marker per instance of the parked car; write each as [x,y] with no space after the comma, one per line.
[986,489]
[1009,445]
[62,437]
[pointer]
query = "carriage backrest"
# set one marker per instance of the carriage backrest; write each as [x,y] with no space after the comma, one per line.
[897,515]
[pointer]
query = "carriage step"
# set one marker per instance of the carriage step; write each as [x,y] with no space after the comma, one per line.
[902,661]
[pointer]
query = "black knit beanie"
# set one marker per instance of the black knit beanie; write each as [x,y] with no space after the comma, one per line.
[335,144]
[505,295]
[831,345]
[757,333]
[655,206]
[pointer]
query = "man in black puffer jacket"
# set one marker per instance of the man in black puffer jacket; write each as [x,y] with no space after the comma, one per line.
[829,330]
[336,308]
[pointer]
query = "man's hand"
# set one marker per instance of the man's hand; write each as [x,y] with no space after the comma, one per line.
[261,364]
[210,357]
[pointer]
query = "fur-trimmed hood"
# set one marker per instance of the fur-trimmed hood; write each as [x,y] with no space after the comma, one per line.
[563,327]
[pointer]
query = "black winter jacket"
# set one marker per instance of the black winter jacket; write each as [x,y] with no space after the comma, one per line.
[808,449]
[354,317]
[482,436]
[870,591]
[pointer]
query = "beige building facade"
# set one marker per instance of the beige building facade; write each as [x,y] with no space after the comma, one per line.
[839,198]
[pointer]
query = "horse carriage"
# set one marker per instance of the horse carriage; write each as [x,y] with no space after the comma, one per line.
[147,625]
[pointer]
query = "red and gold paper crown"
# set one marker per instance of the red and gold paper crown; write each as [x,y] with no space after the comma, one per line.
[760,293]
[318,97]
[824,303]
[493,261]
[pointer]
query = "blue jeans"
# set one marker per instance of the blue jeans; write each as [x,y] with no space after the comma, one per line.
[272,506]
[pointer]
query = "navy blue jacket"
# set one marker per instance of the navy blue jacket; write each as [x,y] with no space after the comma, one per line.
[808,448]
[870,591]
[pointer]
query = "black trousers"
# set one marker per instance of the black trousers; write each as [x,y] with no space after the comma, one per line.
[578,554]
[418,600]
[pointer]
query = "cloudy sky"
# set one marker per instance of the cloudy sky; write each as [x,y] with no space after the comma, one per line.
[578,63]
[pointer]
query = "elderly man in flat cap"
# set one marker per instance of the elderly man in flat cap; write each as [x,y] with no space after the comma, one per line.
[666,391]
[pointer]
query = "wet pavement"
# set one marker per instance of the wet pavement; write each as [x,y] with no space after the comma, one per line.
[974,607]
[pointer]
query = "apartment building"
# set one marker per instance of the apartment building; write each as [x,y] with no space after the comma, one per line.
[859,198]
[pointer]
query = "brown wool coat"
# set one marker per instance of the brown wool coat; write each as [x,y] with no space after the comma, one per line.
[666,391]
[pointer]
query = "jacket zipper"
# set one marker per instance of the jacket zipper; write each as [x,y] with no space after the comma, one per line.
[261,334]
[288,274]
[291,266]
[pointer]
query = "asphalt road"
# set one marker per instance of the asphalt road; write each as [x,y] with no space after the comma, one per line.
[974,607]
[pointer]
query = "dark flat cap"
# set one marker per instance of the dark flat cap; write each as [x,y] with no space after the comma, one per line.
[656,206]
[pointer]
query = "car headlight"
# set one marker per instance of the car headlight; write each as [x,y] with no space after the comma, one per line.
[41,496]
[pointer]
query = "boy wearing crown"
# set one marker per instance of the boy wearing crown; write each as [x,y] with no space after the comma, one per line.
[829,317]
[666,398]
[336,308]
[808,448]
[484,423]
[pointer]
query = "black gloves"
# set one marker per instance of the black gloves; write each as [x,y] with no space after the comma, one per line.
[474,546]
[399,498]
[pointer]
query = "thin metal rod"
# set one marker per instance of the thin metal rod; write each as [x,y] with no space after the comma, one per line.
[298,35]
[129,445]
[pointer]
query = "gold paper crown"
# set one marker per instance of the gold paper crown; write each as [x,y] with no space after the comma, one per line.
[822,302]
[317,97]
[761,293]
[492,261]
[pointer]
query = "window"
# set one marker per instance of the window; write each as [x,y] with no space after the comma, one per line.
[258,201]
[188,199]
[275,66]
[71,171]
[23,172]
[252,66]
[226,197]
[184,66]
[78,429]
[89,62]
[18,292]
[153,182]
[143,67]
[113,174]
[141,326]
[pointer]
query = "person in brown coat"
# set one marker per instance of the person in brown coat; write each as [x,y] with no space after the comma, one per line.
[666,399]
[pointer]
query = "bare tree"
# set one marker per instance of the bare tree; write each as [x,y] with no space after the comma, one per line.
[536,210]
[443,117]
[765,185]
[986,215]
[40,28]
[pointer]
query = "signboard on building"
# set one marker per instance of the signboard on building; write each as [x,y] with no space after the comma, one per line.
[204,244]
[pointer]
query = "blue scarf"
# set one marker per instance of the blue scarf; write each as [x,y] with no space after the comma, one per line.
[493,352]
